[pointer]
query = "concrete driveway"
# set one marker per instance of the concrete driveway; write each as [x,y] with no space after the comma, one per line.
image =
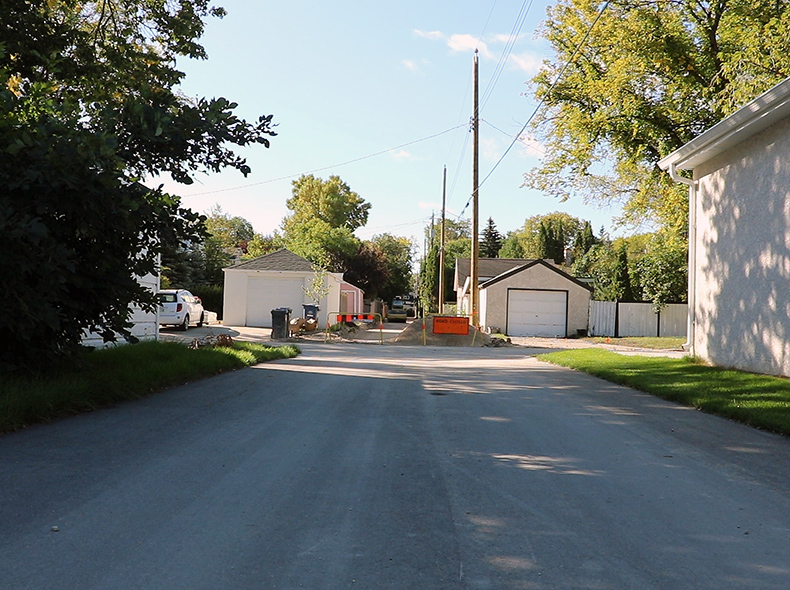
[389,332]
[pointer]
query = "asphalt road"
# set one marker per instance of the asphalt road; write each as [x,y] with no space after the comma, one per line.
[382,467]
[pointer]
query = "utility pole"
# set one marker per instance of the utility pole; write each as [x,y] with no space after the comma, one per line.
[474,292]
[441,245]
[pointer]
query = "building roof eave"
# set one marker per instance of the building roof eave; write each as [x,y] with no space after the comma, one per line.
[757,115]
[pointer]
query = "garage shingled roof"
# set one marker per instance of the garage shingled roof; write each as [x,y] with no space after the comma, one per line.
[524,267]
[281,260]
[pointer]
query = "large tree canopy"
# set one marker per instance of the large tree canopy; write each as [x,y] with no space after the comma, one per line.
[89,107]
[331,201]
[650,77]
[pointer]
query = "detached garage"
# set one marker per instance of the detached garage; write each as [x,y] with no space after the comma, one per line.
[535,299]
[255,287]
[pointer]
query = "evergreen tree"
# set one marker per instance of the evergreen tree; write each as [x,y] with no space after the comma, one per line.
[584,240]
[490,241]
[622,276]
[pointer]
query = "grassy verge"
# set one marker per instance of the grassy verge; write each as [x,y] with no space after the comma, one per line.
[757,400]
[662,343]
[112,375]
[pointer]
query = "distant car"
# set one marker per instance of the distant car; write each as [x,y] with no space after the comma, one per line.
[178,307]
[398,311]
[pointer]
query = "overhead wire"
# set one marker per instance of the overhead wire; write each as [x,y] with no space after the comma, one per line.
[453,184]
[271,180]
[528,145]
[515,31]
[549,91]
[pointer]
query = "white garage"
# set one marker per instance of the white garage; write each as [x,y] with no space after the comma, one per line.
[266,294]
[279,279]
[537,298]
[532,312]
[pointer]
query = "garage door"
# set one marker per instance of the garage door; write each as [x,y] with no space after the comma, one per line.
[264,295]
[537,313]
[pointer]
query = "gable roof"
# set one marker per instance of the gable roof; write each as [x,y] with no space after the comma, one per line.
[522,268]
[486,267]
[757,115]
[281,260]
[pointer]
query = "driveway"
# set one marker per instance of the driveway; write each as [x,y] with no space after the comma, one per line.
[390,331]
[386,467]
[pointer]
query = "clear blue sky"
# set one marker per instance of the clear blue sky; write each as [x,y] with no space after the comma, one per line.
[346,80]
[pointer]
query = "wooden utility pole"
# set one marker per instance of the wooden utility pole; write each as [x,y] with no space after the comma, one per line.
[474,292]
[441,245]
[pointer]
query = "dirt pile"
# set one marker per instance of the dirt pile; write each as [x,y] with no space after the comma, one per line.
[413,335]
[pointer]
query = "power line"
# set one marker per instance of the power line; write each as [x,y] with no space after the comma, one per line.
[528,145]
[553,85]
[514,33]
[403,145]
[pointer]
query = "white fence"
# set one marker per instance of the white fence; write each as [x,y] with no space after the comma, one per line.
[613,318]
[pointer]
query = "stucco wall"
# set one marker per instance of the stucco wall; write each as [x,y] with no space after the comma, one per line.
[535,277]
[743,255]
[237,290]
[234,303]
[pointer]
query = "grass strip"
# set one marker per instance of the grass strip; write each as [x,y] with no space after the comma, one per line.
[761,401]
[654,342]
[105,377]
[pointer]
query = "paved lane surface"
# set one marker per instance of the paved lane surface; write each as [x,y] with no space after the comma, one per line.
[367,467]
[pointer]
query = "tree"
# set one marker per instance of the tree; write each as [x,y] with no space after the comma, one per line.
[231,232]
[546,236]
[458,244]
[398,255]
[260,245]
[226,237]
[511,246]
[622,278]
[324,215]
[331,201]
[584,240]
[649,77]
[490,241]
[663,271]
[322,244]
[367,269]
[88,106]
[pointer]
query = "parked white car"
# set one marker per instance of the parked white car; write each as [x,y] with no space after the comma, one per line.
[178,307]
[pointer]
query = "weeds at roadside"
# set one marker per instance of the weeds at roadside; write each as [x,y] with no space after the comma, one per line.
[105,377]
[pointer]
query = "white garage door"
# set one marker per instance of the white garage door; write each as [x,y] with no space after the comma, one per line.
[537,313]
[264,295]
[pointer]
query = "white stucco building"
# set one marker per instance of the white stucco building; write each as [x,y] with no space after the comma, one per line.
[279,279]
[739,236]
[522,297]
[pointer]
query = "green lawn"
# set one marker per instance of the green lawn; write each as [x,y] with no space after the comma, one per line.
[105,377]
[661,343]
[757,400]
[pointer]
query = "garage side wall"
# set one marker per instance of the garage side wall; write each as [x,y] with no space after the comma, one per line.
[537,277]
[234,304]
[743,263]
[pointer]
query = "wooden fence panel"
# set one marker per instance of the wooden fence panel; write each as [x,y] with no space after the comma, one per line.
[610,318]
[674,319]
[602,317]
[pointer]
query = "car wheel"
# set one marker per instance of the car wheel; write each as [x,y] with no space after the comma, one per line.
[185,323]
[201,320]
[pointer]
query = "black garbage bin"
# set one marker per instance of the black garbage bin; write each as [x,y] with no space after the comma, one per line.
[281,317]
[311,311]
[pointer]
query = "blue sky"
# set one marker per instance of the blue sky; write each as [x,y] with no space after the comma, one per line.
[346,80]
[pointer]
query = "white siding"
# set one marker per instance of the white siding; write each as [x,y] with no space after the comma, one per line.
[145,324]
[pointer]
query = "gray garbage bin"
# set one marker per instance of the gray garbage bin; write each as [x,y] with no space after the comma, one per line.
[311,311]
[281,317]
